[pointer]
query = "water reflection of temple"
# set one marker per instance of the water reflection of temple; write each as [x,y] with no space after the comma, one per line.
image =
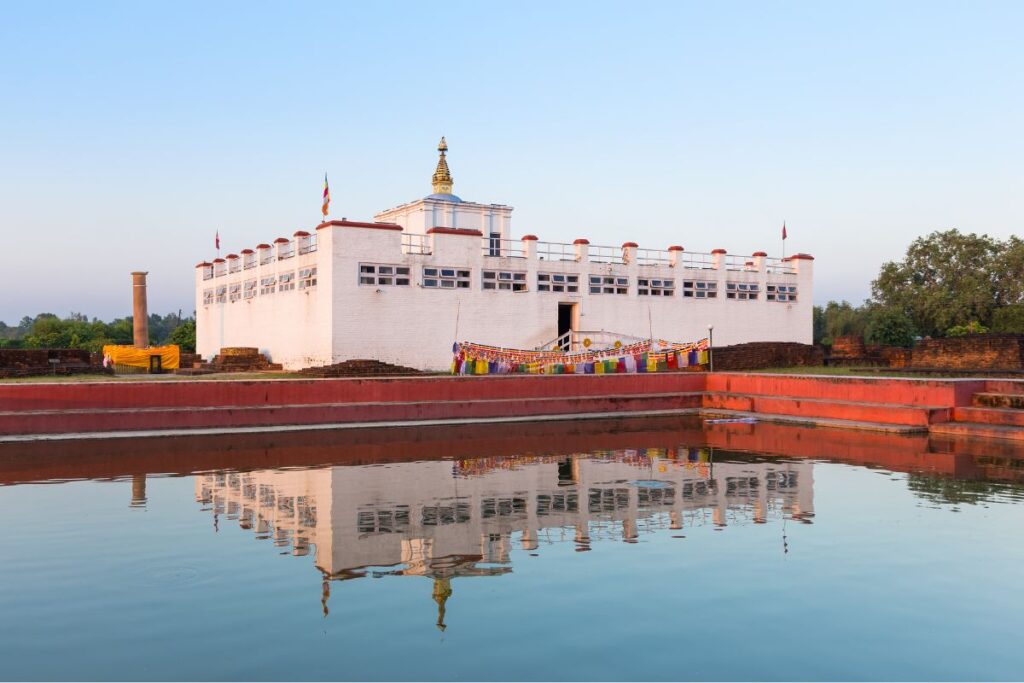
[444,519]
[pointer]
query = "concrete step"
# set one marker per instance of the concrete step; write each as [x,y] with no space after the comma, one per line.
[998,400]
[978,430]
[1005,386]
[996,416]
[853,411]
[803,420]
[126,419]
[894,391]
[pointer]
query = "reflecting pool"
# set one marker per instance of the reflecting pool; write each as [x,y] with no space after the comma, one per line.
[658,549]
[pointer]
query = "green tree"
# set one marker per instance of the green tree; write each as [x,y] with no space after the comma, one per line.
[946,279]
[889,327]
[1009,319]
[840,319]
[184,335]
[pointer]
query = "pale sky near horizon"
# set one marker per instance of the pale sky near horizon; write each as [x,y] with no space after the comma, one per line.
[131,132]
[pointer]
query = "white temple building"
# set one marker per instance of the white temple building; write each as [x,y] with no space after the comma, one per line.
[420,276]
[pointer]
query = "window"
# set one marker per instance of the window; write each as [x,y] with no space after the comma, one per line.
[222,294]
[445,278]
[652,287]
[307,278]
[558,282]
[604,284]
[249,290]
[268,285]
[207,272]
[741,291]
[286,282]
[389,276]
[785,293]
[495,244]
[503,279]
[700,289]
[207,297]
[235,292]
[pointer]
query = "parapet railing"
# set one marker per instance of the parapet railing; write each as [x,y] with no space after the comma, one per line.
[493,246]
[653,257]
[601,254]
[556,251]
[416,244]
[779,266]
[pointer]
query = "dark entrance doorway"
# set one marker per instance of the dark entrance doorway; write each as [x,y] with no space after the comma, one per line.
[566,314]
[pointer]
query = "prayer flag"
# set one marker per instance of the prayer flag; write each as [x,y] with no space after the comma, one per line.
[327,196]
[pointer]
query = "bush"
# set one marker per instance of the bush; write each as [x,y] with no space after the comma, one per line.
[973,327]
[889,327]
[184,335]
[1009,319]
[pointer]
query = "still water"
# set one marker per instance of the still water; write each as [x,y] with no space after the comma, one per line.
[651,550]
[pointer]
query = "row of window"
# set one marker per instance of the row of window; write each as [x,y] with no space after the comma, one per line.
[515,281]
[383,275]
[282,282]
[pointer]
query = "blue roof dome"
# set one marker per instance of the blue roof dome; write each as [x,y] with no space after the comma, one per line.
[445,198]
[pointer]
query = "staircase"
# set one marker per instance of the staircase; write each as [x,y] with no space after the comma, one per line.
[995,413]
[847,402]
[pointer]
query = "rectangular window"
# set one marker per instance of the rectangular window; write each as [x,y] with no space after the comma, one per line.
[207,297]
[235,292]
[558,282]
[654,287]
[286,282]
[249,290]
[741,291]
[504,279]
[268,285]
[307,278]
[375,274]
[700,289]
[445,278]
[495,244]
[783,293]
[604,284]
[222,294]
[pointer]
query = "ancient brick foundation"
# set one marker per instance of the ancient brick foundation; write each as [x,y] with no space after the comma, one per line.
[758,355]
[359,368]
[972,352]
[848,347]
[28,362]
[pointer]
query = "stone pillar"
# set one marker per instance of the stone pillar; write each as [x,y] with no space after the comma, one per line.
[140,312]
[674,254]
[582,252]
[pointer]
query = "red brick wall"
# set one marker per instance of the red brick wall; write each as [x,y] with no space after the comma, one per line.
[848,347]
[972,352]
[757,355]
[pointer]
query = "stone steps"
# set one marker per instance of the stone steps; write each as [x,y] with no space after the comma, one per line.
[999,400]
[164,418]
[828,409]
[978,430]
[997,416]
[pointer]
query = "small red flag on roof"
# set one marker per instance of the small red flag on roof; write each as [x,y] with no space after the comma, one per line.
[783,229]
[216,240]
[327,197]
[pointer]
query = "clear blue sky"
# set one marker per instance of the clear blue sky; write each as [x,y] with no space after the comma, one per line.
[131,132]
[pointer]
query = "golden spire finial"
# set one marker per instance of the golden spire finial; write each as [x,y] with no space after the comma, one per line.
[442,587]
[442,176]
